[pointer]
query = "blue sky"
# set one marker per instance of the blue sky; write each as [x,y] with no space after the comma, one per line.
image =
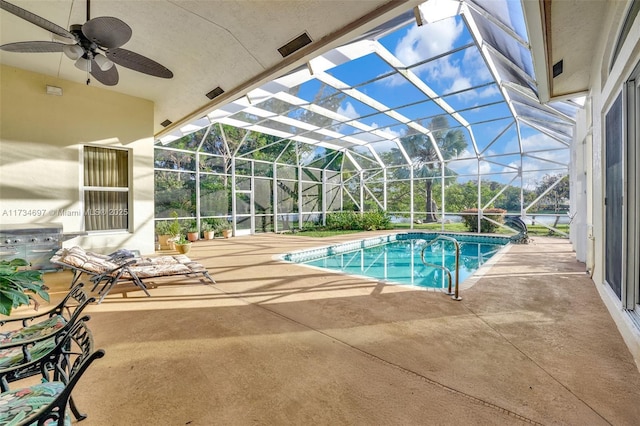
[442,61]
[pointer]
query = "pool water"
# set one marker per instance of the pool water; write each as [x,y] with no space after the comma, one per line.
[399,261]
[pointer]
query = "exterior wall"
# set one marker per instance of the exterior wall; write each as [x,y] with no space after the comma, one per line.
[604,88]
[579,229]
[40,155]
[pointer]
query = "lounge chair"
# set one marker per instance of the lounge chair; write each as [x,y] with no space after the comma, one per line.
[107,271]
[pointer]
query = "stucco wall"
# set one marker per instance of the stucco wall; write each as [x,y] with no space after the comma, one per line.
[604,88]
[40,154]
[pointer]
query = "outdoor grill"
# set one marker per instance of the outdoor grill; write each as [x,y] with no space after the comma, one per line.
[35,243]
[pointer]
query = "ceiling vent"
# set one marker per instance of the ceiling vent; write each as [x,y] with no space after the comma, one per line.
[165,123]
[215,93]
[557,68]
[294,45]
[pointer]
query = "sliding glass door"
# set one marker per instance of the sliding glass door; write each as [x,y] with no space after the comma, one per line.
[631,295]
[613,196]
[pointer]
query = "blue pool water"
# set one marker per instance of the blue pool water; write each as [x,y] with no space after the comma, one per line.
[397,259]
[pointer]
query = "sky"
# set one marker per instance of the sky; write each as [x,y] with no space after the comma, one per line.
[443,69]
[465,83]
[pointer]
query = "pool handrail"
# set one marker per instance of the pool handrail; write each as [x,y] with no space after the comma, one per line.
[454,295]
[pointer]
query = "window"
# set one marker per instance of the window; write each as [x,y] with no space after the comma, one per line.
[624,32]
[106,189]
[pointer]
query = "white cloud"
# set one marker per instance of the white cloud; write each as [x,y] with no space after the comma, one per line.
[427,41]
[432,40]
[393,132]
[461,83]
[540,141]
[348,110]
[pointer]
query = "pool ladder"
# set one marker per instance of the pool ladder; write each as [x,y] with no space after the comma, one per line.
[456,294]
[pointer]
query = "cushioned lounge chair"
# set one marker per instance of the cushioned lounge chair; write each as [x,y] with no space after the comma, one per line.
[105,271]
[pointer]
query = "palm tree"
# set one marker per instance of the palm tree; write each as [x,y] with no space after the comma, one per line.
[424,156]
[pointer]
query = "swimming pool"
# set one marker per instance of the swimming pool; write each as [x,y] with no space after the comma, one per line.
[396,258]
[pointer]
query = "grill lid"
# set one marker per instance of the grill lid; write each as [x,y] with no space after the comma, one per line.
[9,230]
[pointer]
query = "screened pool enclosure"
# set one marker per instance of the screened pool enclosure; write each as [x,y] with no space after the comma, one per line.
[430,117]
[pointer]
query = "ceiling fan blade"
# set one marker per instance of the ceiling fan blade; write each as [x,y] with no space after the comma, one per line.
[108,78]
[36,20]
[137,62]
[33,47]
[107,31]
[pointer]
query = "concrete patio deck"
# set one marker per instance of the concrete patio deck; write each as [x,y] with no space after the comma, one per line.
[280,344]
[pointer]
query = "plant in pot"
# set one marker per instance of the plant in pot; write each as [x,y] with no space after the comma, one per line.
[16,285]
[225,228]
[168,231]
[182,245]
[208,230]
[192,231]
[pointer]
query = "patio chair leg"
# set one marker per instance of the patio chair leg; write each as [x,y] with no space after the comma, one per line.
[76,276]
[106,289]
[206,274]
[137,281]
[74,409]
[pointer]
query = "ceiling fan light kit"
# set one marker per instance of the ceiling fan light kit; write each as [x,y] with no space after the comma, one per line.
[102,61]
[73,51]
[95,49]
[83,64]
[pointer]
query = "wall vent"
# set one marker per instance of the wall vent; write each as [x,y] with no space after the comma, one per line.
[294,45]
[557,68]
[215,92]
[165,123]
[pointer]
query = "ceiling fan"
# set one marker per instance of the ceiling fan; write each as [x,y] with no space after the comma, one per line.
[94,45]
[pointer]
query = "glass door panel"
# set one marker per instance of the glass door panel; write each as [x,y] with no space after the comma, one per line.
[613,197]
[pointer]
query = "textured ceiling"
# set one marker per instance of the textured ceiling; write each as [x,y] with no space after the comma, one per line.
[205,43]
[233,44]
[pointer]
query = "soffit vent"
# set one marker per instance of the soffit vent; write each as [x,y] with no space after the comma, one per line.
[215,92]
[557,68]
[165,123]
[296,44]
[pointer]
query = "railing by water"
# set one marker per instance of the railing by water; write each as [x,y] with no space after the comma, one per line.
[456,294]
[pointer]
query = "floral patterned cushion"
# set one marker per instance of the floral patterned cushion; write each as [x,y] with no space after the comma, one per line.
[33,331]
[79,258]
[26,404]
[158,270]
[13,356]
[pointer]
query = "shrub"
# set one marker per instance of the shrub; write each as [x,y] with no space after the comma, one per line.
[343,220]
[470,218]
[372,221]
[349,220]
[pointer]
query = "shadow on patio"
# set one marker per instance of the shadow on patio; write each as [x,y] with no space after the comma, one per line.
[277,343]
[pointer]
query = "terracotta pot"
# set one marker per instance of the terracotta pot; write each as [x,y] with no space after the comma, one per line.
[183,248]
[208,235]
[192,236]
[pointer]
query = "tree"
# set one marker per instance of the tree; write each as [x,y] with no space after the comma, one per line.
[558,195]
[424,156]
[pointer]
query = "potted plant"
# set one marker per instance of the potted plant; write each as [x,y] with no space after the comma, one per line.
[225,228]
[182,245]
[168,231]
[192,231]
[17,284]
[208,230]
